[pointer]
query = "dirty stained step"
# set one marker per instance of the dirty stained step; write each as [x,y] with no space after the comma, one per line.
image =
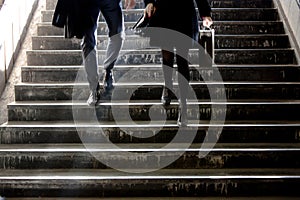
[168,182]
[221,27]
[136,42]
[50,4]
[152,110]
[152,91]
[218,14]
[252,73]
[147,156]
[153,56]
[26,132]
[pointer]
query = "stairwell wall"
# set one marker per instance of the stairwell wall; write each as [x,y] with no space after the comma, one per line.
[1,3]
[15,16]
[290,13]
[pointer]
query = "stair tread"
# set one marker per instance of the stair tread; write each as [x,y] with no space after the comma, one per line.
[144,124]
[143,38]
[157,102]
[154,50]
[104,174]
[142,147]
[159,84]
[213,9]
[149,66]
[215,22]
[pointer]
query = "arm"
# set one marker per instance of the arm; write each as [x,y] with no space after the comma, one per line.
[205,12]
[129,4]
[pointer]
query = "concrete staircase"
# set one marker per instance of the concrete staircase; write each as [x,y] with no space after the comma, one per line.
[51,148]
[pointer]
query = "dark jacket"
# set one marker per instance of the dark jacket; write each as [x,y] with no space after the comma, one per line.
[179,15]
[74,16]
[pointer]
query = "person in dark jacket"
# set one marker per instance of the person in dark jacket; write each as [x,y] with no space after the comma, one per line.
[80,19]
[73,15]
[179,16]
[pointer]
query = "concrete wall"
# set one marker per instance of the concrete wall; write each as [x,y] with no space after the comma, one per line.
[14,18]
[290,12]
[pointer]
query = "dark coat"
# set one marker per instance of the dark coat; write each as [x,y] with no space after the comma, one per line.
[74,16]
[179,15]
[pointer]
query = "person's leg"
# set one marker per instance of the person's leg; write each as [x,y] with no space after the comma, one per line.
[112,12]
[183,83]
[167,66]
[89,55]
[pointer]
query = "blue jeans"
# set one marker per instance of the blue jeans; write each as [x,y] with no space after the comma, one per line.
[112,12]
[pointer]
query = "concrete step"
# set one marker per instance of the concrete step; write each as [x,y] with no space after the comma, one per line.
[136,42]
[167,183]
[218,14]
[153,56]
[60,43]
[101,156]
[242,4]
[251,73]
[221,27]
[144,110]
[50,4]
[26,132]
[153,90]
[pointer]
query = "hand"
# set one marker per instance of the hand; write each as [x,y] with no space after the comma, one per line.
[149,10]
[129,4]
[207,21]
